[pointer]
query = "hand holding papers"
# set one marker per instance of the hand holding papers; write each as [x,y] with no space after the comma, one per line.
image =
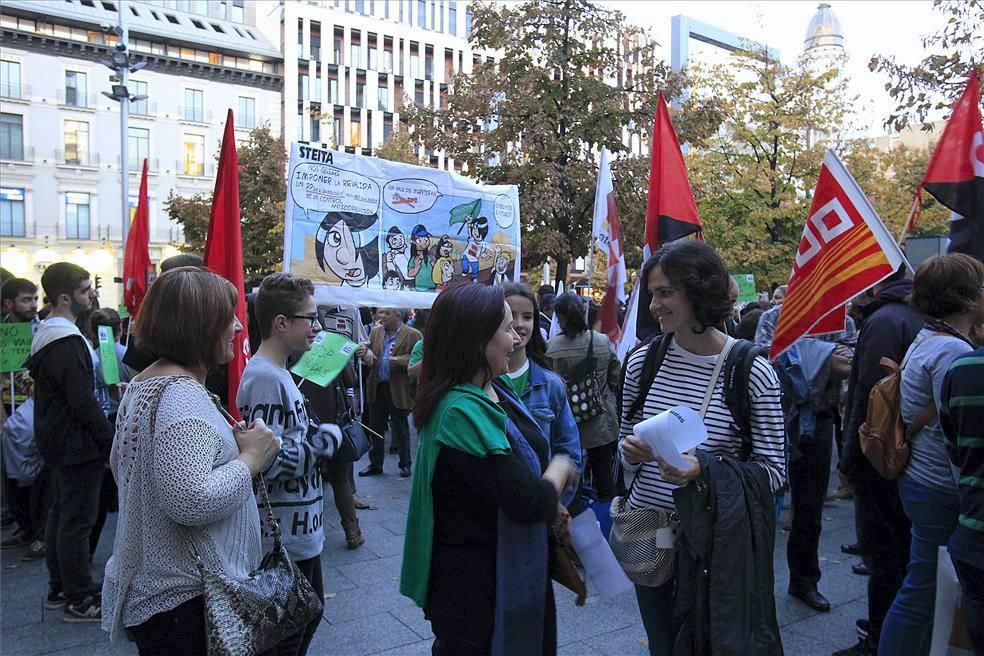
[672,433]
[600,565]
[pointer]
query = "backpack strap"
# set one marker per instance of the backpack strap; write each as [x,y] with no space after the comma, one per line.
[924,418]
[737,373]
[655,354]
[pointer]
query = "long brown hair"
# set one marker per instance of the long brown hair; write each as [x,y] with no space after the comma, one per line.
[462,321]
[536,348]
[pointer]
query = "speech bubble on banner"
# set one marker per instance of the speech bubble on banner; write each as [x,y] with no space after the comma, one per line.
[410,195]
[15,345]
[323,188]
[326,358]
[504,211]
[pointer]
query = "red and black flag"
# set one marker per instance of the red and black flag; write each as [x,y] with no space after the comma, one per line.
[955,176]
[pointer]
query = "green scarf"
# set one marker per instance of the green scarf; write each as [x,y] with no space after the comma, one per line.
[466,419]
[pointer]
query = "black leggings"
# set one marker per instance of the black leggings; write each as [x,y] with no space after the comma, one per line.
[176,632]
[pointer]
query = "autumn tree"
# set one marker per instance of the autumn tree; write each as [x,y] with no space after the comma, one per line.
[536,116]
[262,193]
[399,148]
[753,178]
[938,79]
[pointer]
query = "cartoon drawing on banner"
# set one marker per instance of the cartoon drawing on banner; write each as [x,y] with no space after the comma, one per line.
[379,228]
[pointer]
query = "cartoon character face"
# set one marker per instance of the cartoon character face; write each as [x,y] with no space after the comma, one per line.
[392,281]
[444,250]
[447,270]
[474,232]
[501,263]
[342,256]
[422,243]
[396,241]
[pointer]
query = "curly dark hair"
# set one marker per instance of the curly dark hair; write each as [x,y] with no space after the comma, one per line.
[697,270]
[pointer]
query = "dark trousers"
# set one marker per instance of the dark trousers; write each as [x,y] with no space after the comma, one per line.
[108,502]
[18,499]
[972,585]
[384,413]
[337,474]
[656,608]
[297,644]
[809,475]
[600,463]
[74,507]
[40,501]
[176,632]
[883,534]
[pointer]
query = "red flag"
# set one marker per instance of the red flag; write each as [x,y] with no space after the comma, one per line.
[137,267]
[845,249]
[607,231]
[955,175]
[671,212]
[224,249]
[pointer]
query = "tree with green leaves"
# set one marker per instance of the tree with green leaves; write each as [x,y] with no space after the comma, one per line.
[562,87]
[399,148]
[752,180]
[940,77]
[262,193]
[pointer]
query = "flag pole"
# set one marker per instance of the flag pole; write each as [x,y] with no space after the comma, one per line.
[913,211]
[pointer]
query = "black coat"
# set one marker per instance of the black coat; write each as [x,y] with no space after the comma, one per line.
[725,603]
[888,326]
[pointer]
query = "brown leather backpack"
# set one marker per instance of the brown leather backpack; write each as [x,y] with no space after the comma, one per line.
[884,438]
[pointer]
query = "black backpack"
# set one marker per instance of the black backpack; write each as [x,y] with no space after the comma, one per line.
[737,370]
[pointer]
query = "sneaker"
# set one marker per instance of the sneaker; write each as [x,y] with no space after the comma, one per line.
[55,599]
[87,610]
[18,539]
[859,649]
[34,552]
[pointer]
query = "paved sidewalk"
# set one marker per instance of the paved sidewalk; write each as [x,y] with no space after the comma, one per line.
[365,614]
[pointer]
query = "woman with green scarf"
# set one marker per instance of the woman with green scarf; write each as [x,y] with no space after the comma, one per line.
[476,551]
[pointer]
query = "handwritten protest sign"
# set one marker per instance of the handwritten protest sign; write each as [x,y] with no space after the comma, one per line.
[328,356]
[746,287]
[15,345]
[373,232]
[107,356]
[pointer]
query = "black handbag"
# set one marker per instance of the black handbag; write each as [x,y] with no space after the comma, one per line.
[584,393]
[354,444]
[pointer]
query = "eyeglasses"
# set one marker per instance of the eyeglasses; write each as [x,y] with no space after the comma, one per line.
[311,319]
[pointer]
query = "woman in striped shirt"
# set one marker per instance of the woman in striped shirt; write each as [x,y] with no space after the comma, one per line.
[689,286]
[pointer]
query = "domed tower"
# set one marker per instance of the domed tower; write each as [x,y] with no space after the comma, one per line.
[824,36]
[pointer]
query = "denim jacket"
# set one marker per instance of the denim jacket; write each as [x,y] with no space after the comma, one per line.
[545,397]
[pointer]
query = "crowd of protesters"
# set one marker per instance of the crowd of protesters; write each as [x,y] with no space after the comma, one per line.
[504,459]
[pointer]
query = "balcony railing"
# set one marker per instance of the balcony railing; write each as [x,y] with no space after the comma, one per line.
[24,154]
[136,167]
[10,91]
[198,170]
[194,115]
[67,98]
[143,108]
[83,159]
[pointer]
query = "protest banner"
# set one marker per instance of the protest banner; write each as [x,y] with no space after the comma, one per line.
[107,356]
[15,345]
[325,359]
[746,287]
[373,232]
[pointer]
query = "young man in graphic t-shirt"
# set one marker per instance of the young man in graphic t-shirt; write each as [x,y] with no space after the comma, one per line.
[288,319]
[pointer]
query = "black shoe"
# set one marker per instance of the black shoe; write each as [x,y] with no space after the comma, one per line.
[371,471]
[851,549]
[34,552]
[811,597]
[55,600]
[405,472]
[861,569]
[863,627]
[20,538]
[859,649]
[87,610]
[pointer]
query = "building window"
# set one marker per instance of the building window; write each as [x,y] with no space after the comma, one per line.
[418,95]
[440,16]
[386,8]
[76,215]
[11,212]
[199,7]
[428,67]
[246,118]
[337,51]
[433,12]
[75,89]
[360,94]
[355,134]
[336,129]
[387,129]
[422,13]
[468,22]
[194,155]
[333,91]
[453,17]
[384,99]
[77,143]
[415,66]
[387,61]
[360,7]
[12,137]
[138,147]
[300,127]
[356,56]
[302,88]
[374,58]
[194,106]
[10,79]
[236,11]
[315,129]
[138,107]
[400,4]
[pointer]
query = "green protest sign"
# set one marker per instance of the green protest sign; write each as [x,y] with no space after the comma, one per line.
[124,313]
[328,356]
[15,345]
[746,287]
[107,356]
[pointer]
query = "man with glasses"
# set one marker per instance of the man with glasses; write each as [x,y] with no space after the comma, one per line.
[388,388]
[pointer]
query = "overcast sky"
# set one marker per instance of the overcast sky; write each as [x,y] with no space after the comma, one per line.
[869,27]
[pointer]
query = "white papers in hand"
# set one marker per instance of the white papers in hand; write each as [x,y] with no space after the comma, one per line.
[673,432]
[602,569]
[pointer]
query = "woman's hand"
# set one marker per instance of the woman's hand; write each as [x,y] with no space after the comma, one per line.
[680,476]
[257,445]
[561,472]
[637,451]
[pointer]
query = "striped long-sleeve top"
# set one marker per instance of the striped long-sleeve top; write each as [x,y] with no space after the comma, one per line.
[962,419]
[682,380]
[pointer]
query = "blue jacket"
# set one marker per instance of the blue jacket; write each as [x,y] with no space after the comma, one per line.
[545,397]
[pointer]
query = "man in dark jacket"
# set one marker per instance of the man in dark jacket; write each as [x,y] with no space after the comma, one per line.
[74,438]
[889,325]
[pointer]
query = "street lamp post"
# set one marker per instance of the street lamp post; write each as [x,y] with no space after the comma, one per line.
[121,65]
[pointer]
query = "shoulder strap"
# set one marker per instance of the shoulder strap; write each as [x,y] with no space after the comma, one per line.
[655,354]
[737,374]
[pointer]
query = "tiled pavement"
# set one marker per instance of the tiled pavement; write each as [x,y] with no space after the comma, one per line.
[365,614]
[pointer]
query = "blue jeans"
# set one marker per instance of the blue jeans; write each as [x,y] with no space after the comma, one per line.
[656,608]
[908,627]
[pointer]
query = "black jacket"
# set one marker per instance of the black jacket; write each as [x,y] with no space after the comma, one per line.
[888,326]
[69,425]
[725,601]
